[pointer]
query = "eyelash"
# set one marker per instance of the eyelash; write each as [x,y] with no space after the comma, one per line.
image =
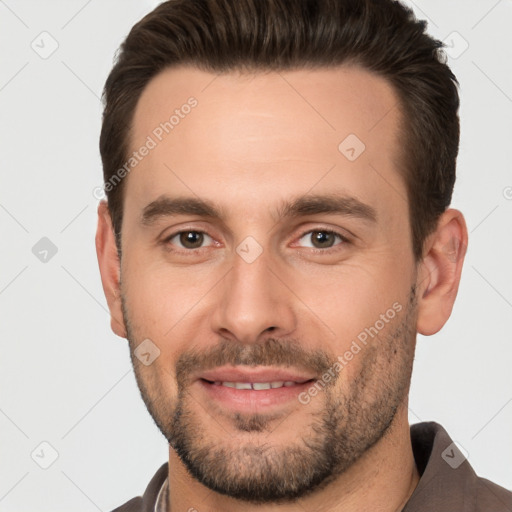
[344,240]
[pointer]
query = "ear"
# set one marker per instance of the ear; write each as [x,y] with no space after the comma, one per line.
[110,268]
[440,271]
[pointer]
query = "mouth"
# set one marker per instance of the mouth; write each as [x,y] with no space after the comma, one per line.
[257,386]
[251,375]
[244,389]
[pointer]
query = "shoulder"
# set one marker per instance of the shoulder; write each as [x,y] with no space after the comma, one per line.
[134,505]
[490,496]
[447,480]
[146,503]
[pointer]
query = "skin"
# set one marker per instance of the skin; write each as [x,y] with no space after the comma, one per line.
[253,142]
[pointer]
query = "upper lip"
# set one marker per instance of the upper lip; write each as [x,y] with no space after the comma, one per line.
[254,374]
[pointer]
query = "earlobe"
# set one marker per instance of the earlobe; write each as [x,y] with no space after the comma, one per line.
[110,270]
[440,271]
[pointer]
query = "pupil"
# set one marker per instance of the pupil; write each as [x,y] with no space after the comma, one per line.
[191,239]
[323,239]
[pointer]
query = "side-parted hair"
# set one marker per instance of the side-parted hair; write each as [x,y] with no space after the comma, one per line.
[218,36]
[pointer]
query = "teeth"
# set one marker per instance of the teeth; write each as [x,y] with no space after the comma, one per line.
[261,385]
[257,386]
[237,385]
[243,385]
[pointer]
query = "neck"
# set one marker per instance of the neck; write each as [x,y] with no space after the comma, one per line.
[382,480]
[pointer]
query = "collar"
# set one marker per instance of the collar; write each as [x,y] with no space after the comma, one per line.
[162,498]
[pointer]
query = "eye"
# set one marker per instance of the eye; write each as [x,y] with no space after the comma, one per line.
[188,239]
[321,238]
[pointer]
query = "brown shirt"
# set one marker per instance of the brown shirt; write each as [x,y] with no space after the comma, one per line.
[447,484]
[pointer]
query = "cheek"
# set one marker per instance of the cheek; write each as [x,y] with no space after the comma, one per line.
[350,297]
[162,300]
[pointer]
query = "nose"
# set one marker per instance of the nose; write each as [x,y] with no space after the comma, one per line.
[253,302]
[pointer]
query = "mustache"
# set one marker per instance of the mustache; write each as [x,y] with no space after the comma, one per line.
[270,352]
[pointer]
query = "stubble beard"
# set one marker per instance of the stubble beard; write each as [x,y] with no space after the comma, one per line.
[351,422]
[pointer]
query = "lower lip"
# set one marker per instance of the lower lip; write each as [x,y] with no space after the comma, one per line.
[249,400]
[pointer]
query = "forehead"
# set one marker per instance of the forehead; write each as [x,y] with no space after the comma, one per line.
[266,131]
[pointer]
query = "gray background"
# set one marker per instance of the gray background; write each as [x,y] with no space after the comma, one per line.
[66,379]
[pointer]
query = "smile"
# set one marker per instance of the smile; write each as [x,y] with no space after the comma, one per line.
[257,386]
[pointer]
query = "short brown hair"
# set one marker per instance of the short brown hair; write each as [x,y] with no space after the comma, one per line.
[382,36]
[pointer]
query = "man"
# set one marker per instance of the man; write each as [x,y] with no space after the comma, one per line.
[276,234]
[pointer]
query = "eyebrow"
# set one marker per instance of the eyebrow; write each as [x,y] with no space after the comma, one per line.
[327,203]
[304,205]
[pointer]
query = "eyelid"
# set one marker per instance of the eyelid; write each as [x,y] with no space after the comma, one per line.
[167,238]
[344,238]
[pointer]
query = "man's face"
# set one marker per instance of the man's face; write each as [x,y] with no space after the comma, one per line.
[280,281]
